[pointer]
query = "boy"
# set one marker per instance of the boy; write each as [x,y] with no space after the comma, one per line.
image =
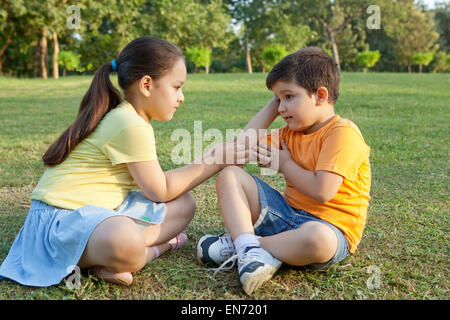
[321,216]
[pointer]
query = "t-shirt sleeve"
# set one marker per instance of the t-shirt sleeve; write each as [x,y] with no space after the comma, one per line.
[132,144]
[343,152]
[273,137]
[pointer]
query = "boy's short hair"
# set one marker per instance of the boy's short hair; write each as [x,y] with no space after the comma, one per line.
[311,68]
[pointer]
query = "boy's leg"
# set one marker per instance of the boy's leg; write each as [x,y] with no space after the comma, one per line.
[315,242]
[239,204]
[238,199]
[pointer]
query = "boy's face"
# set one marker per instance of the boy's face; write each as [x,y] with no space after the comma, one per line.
[297,107]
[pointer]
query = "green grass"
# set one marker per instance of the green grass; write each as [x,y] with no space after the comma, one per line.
[403,117]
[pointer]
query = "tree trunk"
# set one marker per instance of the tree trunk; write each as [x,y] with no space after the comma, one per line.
[248,60]
[207,68]
[55,55]
[43,42]
[335,50]
[2,51]
[409,68]
[420,68]
[64,72]
[35,58]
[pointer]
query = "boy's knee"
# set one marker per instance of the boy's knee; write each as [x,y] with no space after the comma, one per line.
[230,172]
[321,242]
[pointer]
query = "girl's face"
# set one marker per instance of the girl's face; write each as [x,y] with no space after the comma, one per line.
[166,93]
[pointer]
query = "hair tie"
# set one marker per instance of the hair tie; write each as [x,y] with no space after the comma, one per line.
[114,66]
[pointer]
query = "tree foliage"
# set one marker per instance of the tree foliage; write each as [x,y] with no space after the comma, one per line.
[201,57]
[272,54]
[238,34]
[412,29]
[368,59]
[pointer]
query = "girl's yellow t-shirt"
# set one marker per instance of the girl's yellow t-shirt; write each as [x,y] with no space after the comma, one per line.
[95,172]
[337,147]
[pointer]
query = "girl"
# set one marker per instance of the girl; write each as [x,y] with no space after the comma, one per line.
[83,210]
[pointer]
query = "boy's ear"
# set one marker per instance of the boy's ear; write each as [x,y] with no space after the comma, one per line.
[145,85]
[321,96]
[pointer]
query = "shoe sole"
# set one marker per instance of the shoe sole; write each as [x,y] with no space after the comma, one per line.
[252,281]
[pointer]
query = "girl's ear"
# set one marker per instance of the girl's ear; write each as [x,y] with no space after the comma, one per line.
[321,96]
[145,85]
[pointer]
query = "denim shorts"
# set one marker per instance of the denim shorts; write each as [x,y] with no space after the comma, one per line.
[278,216]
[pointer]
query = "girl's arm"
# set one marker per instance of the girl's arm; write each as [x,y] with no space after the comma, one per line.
[160,186]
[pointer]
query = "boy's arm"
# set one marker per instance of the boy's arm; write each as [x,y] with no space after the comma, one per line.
[321,185]
[262,120]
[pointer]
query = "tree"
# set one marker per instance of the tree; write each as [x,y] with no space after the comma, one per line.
[422,59]
[68,60]
[188,23]
[201,57]
[441,62]
[442,20]
[412,29]
[11,13]
[333,16]
[368,59]
[272,54]
[268,22]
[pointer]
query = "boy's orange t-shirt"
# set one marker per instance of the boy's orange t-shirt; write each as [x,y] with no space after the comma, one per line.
[337,147]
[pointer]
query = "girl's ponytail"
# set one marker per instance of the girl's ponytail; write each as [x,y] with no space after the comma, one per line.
[101,97]
[143,56]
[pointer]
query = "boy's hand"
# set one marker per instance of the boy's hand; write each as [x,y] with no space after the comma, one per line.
[271,157]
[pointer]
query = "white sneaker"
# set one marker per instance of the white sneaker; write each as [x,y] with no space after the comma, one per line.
[256,266]
[213,249]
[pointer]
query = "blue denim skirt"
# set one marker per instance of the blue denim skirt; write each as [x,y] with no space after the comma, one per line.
[52,240]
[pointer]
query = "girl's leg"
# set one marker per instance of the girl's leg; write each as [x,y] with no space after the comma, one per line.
[238,198]
[315,242]
[179,213]
[116,244]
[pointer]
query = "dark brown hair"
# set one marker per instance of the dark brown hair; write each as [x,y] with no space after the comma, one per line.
[311,68]
[142,56]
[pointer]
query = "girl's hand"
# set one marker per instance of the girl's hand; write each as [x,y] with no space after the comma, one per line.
[271,157]
[227,153]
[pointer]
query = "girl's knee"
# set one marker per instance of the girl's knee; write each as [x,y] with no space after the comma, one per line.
[126,245]
[189,204]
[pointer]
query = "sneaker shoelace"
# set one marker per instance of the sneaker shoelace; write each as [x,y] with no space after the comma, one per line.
[244,258]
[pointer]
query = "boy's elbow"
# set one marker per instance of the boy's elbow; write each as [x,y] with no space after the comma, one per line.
[324,197]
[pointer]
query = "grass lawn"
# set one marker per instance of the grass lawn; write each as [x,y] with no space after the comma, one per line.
[403,117]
